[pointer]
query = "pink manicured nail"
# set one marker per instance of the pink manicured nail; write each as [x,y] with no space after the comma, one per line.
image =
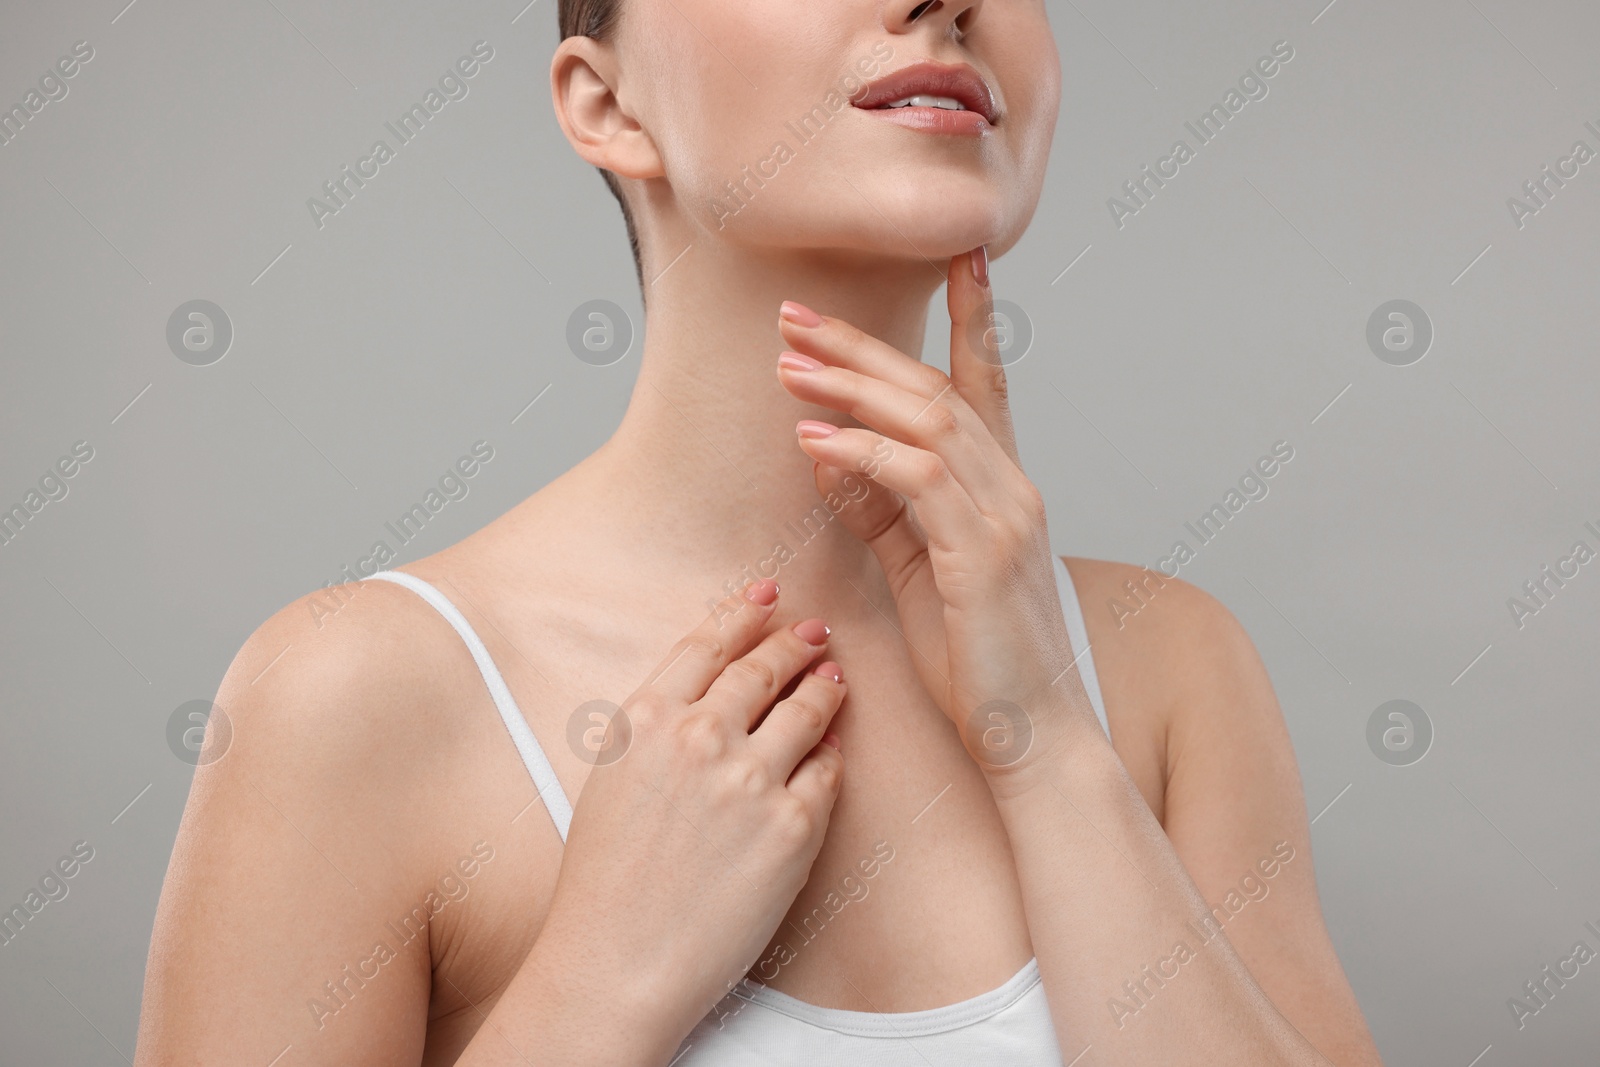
[812,631]
[831,739]
[795,361]
[829,669]
[813,429]
[800,315]
[763,592]
[980,264]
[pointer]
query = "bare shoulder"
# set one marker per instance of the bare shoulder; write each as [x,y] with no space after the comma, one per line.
[1194,718]
[327,800]
[346,700]
[1178,672]
[361,667]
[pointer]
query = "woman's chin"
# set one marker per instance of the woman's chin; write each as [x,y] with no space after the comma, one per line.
[939,219]
[910,228]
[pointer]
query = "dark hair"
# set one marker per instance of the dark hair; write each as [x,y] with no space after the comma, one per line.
[598,19]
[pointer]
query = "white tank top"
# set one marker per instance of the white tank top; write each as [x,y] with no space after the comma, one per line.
[756,1026]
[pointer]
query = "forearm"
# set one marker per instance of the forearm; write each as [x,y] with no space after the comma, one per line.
[572,1005]
[1134,965]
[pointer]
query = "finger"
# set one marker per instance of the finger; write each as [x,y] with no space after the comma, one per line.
[947,514]
[944,424]
[840,344]
[696,661]
[975,362]
[816,782]
[795,724]
[747,687]
[879,518]
[816,776]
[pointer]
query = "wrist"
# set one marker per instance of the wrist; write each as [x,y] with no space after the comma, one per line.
[1050,742]
[583,990]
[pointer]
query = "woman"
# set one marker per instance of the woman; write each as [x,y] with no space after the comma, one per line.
[872,816]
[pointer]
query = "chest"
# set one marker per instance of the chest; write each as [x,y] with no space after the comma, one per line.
[912,902]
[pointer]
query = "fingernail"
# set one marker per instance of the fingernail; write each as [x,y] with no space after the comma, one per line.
[814,429]
[763,592]
[831,670]
[980,264]
[812,631]
[795,361]
[831,739]
[800,315]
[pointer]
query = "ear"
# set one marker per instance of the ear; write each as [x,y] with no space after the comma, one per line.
[583,87]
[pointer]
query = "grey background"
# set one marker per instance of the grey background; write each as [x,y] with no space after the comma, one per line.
[1228,314]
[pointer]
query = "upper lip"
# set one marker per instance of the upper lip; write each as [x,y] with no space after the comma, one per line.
[960,82]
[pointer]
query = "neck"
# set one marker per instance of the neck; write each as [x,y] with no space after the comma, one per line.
[707,447]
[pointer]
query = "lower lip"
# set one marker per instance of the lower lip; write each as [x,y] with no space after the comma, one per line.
[934,120]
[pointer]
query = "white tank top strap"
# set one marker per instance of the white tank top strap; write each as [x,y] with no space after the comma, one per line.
[533,757]
[1078,632]
[538,764]
[1011,1024]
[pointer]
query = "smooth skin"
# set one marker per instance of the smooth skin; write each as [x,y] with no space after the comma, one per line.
[712,784]
[962,539]
[369,772]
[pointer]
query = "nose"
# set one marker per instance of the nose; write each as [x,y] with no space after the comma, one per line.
[936,16]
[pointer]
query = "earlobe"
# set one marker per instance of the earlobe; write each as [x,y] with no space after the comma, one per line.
[583,76]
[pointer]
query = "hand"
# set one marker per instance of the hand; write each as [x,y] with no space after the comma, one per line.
[685,853]
[971,572]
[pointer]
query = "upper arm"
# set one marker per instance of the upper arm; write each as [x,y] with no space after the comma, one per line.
[1230,798]
[284,902]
